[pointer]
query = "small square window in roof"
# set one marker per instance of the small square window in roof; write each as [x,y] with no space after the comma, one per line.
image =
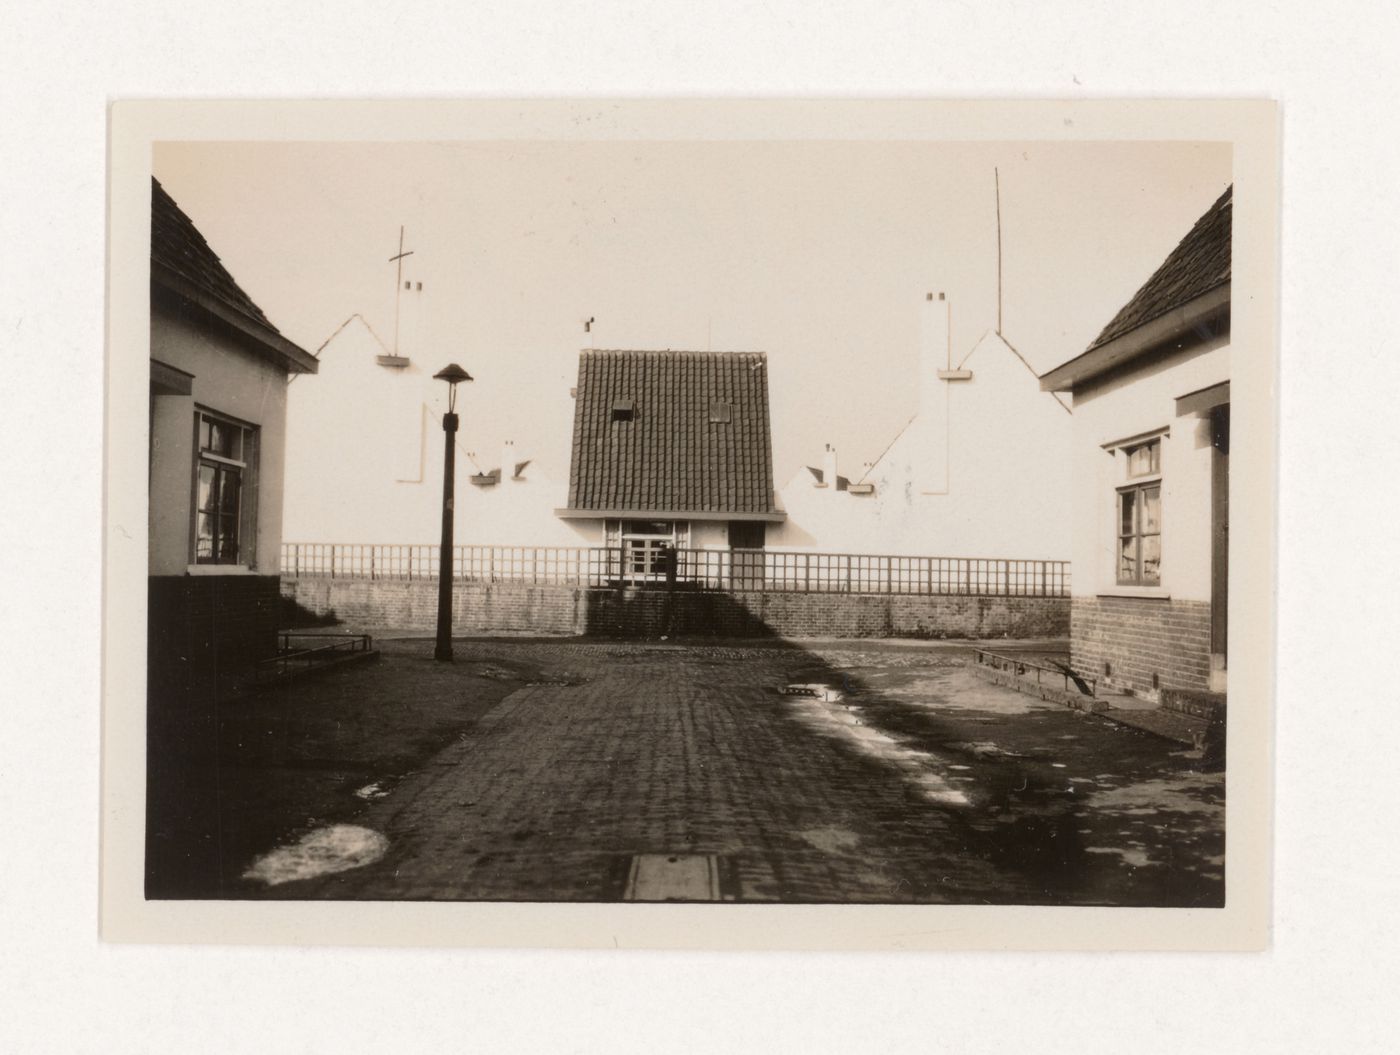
[721,411]
[624,409]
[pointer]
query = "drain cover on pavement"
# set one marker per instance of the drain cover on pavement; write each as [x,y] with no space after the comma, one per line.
[673,877]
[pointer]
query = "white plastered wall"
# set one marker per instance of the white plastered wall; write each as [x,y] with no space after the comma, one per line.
[231,380]
[365,459]
[982,471]
[1130,405]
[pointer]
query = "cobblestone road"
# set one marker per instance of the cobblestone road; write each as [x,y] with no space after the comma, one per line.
[922,785]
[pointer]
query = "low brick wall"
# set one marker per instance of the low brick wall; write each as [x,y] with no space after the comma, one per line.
[643,613]
[1140,637]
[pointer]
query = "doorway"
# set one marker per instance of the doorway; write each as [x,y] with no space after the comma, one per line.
[1219,544]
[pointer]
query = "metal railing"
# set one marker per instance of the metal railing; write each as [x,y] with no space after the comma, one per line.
[705,569]
[1023,668]
[300,649]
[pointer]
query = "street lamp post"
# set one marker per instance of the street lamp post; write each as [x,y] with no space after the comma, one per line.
[453,375]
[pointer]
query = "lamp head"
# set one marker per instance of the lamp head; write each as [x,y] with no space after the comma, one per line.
[453,375]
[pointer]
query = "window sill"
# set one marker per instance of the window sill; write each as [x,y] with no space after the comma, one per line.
[219,569]
[1146,593]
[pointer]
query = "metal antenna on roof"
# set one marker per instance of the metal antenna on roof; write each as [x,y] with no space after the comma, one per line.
[398,285]
[997,175]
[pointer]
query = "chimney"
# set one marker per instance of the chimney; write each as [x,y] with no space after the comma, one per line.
[413,315]
[934,359]
[829,468]
[934,354]
[507,461]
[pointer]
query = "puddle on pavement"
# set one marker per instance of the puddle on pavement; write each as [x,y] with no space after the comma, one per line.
[981,749]
[324,851]
[830,840]
[1186,794]
[1131,856]
[845,722]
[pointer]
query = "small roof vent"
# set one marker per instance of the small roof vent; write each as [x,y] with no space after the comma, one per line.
[624,409]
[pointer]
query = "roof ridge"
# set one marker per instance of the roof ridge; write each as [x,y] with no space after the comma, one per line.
[669,351]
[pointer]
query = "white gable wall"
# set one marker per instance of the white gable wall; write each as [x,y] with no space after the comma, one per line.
[982,471]
[365,452]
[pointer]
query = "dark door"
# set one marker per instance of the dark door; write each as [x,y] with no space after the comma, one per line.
[746,539]
[1219,530]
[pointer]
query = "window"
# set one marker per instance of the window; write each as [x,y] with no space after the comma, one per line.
[721,412]
[624,410]
[223,491]
[645,544]
[1140,517]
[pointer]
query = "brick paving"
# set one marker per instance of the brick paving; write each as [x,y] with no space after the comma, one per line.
[666,750]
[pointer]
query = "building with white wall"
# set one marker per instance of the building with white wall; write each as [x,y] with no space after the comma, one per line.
[981,470]
[1151,475]
[365,453]
[219,371]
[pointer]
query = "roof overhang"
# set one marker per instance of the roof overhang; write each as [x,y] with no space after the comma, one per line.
[774,517]
[1203,400]
[1104,357]
[167,380]
[268,342]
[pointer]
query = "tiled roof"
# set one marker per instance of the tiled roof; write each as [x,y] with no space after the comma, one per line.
[1197,265]
[671,456]
[177,244]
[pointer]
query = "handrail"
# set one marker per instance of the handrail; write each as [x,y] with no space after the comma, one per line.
[1003,662]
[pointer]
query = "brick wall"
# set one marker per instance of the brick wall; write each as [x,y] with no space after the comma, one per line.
[646,613]
[1140,637]
[200,627]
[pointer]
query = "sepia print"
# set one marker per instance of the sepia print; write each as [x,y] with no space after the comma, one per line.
[661,515]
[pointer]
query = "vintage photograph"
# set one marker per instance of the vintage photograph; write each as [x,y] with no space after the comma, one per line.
[778,521]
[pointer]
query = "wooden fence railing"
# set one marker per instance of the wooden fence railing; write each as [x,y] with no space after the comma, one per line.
[650,564]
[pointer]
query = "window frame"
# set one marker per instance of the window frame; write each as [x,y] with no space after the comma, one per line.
[1136,490]
[243,471]
[642,552]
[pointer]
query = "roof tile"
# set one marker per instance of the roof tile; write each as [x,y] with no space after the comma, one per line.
[671,457]
[177,244]
[1197,265]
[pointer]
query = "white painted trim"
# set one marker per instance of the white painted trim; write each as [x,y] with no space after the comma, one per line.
[1136,438]
[1146,593]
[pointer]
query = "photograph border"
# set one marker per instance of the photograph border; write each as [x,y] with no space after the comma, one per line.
[1251,126]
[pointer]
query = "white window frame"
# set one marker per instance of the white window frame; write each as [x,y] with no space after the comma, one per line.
[245,469]
[649,543]
[1138,486]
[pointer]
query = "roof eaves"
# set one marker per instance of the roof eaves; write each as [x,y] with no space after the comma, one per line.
[1139,340]
[272,344]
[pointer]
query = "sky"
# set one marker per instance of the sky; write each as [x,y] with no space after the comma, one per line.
[815,252]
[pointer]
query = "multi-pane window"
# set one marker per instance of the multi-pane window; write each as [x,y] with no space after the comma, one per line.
[1140,517]
[645,544]
[222,483]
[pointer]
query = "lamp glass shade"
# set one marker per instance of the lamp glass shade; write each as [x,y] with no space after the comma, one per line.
[452,374]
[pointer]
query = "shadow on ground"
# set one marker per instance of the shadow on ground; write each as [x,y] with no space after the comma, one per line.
[947,789]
